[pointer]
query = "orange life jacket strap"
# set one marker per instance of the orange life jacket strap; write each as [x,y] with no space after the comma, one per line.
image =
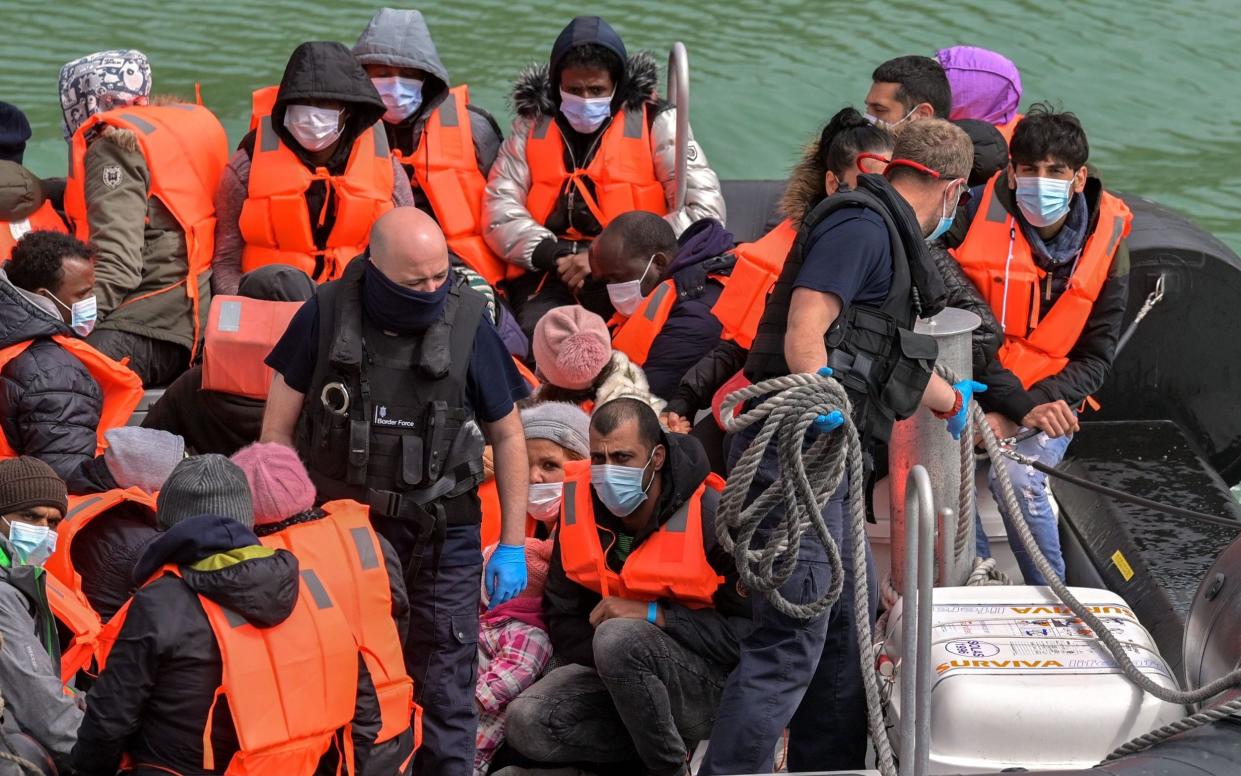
[208,749]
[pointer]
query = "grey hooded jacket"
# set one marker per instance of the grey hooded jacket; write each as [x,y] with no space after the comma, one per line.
[399,38]
[30,677]
[513,233]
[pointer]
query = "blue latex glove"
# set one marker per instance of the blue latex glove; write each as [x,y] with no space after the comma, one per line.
[505,576]
[958,422]
[826,371]
[830,422]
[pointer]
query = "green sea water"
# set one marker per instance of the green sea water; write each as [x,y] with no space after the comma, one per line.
[1155,83]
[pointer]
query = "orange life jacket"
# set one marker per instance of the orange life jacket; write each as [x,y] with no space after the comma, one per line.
[240,333]
[741,303]
[121,387]
[997,258]
[344,551]
[275,222]
[622,170]
[670,563]
[446,169]
[44,219]
[634,335]
[186,150]
[75,613]
[290,687]
[83,510]
[489,495]
[1007,129]
[532,382]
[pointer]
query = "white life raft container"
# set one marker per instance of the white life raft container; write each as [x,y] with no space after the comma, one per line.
[1019,682]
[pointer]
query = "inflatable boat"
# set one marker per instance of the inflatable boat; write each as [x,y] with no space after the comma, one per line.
[1018,682]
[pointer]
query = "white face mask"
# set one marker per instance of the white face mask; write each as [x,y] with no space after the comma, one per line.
[402,96]
[627,296]
[543,501]
[312,127]
[82,314]
[34,543]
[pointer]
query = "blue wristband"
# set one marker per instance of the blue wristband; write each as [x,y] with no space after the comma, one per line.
[652,611]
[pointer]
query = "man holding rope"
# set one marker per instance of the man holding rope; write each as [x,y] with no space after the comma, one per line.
[857,279]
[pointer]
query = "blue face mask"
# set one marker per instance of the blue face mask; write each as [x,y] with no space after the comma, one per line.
[585,114]
[1044,201]
[34,544]
[620,487]
[394,307]
[401,96]
[945,219]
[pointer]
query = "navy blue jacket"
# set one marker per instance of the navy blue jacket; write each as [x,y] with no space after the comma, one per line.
[691,330]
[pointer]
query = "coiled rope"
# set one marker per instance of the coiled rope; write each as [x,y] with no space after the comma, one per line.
[765,548]
[1113,645]
[808,476]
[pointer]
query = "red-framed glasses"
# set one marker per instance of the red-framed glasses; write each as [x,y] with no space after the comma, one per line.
[885,161]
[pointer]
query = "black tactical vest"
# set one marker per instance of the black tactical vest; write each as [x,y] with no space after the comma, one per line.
[883,365]
[385,420]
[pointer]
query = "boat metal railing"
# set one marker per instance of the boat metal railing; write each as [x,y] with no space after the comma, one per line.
[919,582]
[678,93]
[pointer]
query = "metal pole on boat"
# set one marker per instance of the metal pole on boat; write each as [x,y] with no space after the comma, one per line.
[916,603]
[678,92]
[921,439]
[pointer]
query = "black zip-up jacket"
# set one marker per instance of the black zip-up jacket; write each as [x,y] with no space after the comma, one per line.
[49,402]
[713,633]
[1090,359]
[153,698]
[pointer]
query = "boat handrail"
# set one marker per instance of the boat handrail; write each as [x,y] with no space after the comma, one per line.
[678,93]
[919,582]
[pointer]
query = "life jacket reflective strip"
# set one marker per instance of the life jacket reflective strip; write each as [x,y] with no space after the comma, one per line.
[186,150]
[290,687]
[45,219]
[240,333]
[1007,129]
[489,495]
[446,169]
[83,510]
[275,222]
[75,613]
[670,563]
[343,550]
[741,303]
[120,386]
[622,170]
[997,259]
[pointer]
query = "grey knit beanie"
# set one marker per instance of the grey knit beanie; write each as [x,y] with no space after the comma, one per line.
[205,485]
[561,422]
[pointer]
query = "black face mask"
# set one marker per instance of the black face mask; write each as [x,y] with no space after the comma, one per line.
[393,307]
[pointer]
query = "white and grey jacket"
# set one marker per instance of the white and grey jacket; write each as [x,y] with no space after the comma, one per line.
[514,234]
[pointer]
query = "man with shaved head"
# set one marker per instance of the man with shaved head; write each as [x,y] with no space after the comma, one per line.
[382,382]
[663,291]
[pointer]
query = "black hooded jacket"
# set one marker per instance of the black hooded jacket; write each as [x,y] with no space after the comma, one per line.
[49,402]
[713,633]
[213,422]
[324,70]
[1090,359]
[153,698]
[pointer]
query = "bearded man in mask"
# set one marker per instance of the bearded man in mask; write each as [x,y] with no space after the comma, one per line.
[642,603]
[386,382]
[307,183]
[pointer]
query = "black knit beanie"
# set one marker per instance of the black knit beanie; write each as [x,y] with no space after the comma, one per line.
[27,482]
